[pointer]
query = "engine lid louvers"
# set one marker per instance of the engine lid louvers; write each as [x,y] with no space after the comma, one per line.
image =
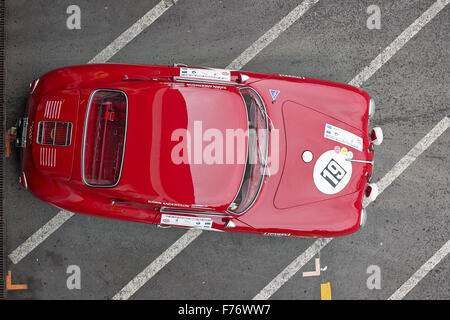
[53,136]
[53,109]
[47,157]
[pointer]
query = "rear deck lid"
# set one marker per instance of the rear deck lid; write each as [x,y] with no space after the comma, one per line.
[54,131]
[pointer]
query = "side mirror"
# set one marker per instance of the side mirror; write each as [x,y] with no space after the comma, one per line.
[242,78]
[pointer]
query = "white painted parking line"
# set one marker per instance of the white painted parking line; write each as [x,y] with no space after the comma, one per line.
[319,244]
[399,42]
[292,269]
[421,273]
[268,37]
[143,277]
[412,155]
[39,236]
[137,282]
[132,32]
[57,221]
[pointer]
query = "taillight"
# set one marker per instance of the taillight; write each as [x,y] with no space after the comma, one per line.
[54,133]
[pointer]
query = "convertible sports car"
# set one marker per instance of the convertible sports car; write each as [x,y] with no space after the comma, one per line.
[196,147]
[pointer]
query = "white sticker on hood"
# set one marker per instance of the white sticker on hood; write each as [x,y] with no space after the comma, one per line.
[206,74]
[343,136]
[332,172]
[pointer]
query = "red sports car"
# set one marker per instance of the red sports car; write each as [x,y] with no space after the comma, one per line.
[196,147]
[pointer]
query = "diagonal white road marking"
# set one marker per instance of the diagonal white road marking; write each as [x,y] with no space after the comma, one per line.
[412,155]
[58,220]
[399,42]
[292,269]
[142,278]
[39,236]
[421,273]
[319,244]
[273,33]
[159,263]
[132,32]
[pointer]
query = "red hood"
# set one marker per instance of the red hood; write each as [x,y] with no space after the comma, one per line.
[307,129]
[291,198]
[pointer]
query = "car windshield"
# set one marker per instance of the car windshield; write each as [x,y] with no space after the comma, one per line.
[256,155]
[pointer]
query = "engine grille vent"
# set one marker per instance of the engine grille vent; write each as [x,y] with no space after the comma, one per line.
[47,157]
[53,109]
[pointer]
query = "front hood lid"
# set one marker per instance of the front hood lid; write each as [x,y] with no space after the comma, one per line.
[316,166]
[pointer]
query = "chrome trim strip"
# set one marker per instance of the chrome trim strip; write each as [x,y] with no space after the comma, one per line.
[362,161]
[371,107]
[363,218]
[86,116]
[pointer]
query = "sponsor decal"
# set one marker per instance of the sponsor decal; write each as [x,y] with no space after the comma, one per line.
[342,136]
[186,221]
[175,204]
[274,93]
[206,74]
[332,172]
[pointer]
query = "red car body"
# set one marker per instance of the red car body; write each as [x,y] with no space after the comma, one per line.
[98,139]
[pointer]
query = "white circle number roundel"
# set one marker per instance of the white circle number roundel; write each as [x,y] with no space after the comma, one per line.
[332,172]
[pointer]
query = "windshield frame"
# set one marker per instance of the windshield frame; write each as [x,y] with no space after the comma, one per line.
[266,153]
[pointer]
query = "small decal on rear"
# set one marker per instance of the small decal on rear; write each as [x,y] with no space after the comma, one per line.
[343,136]
[332,172]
